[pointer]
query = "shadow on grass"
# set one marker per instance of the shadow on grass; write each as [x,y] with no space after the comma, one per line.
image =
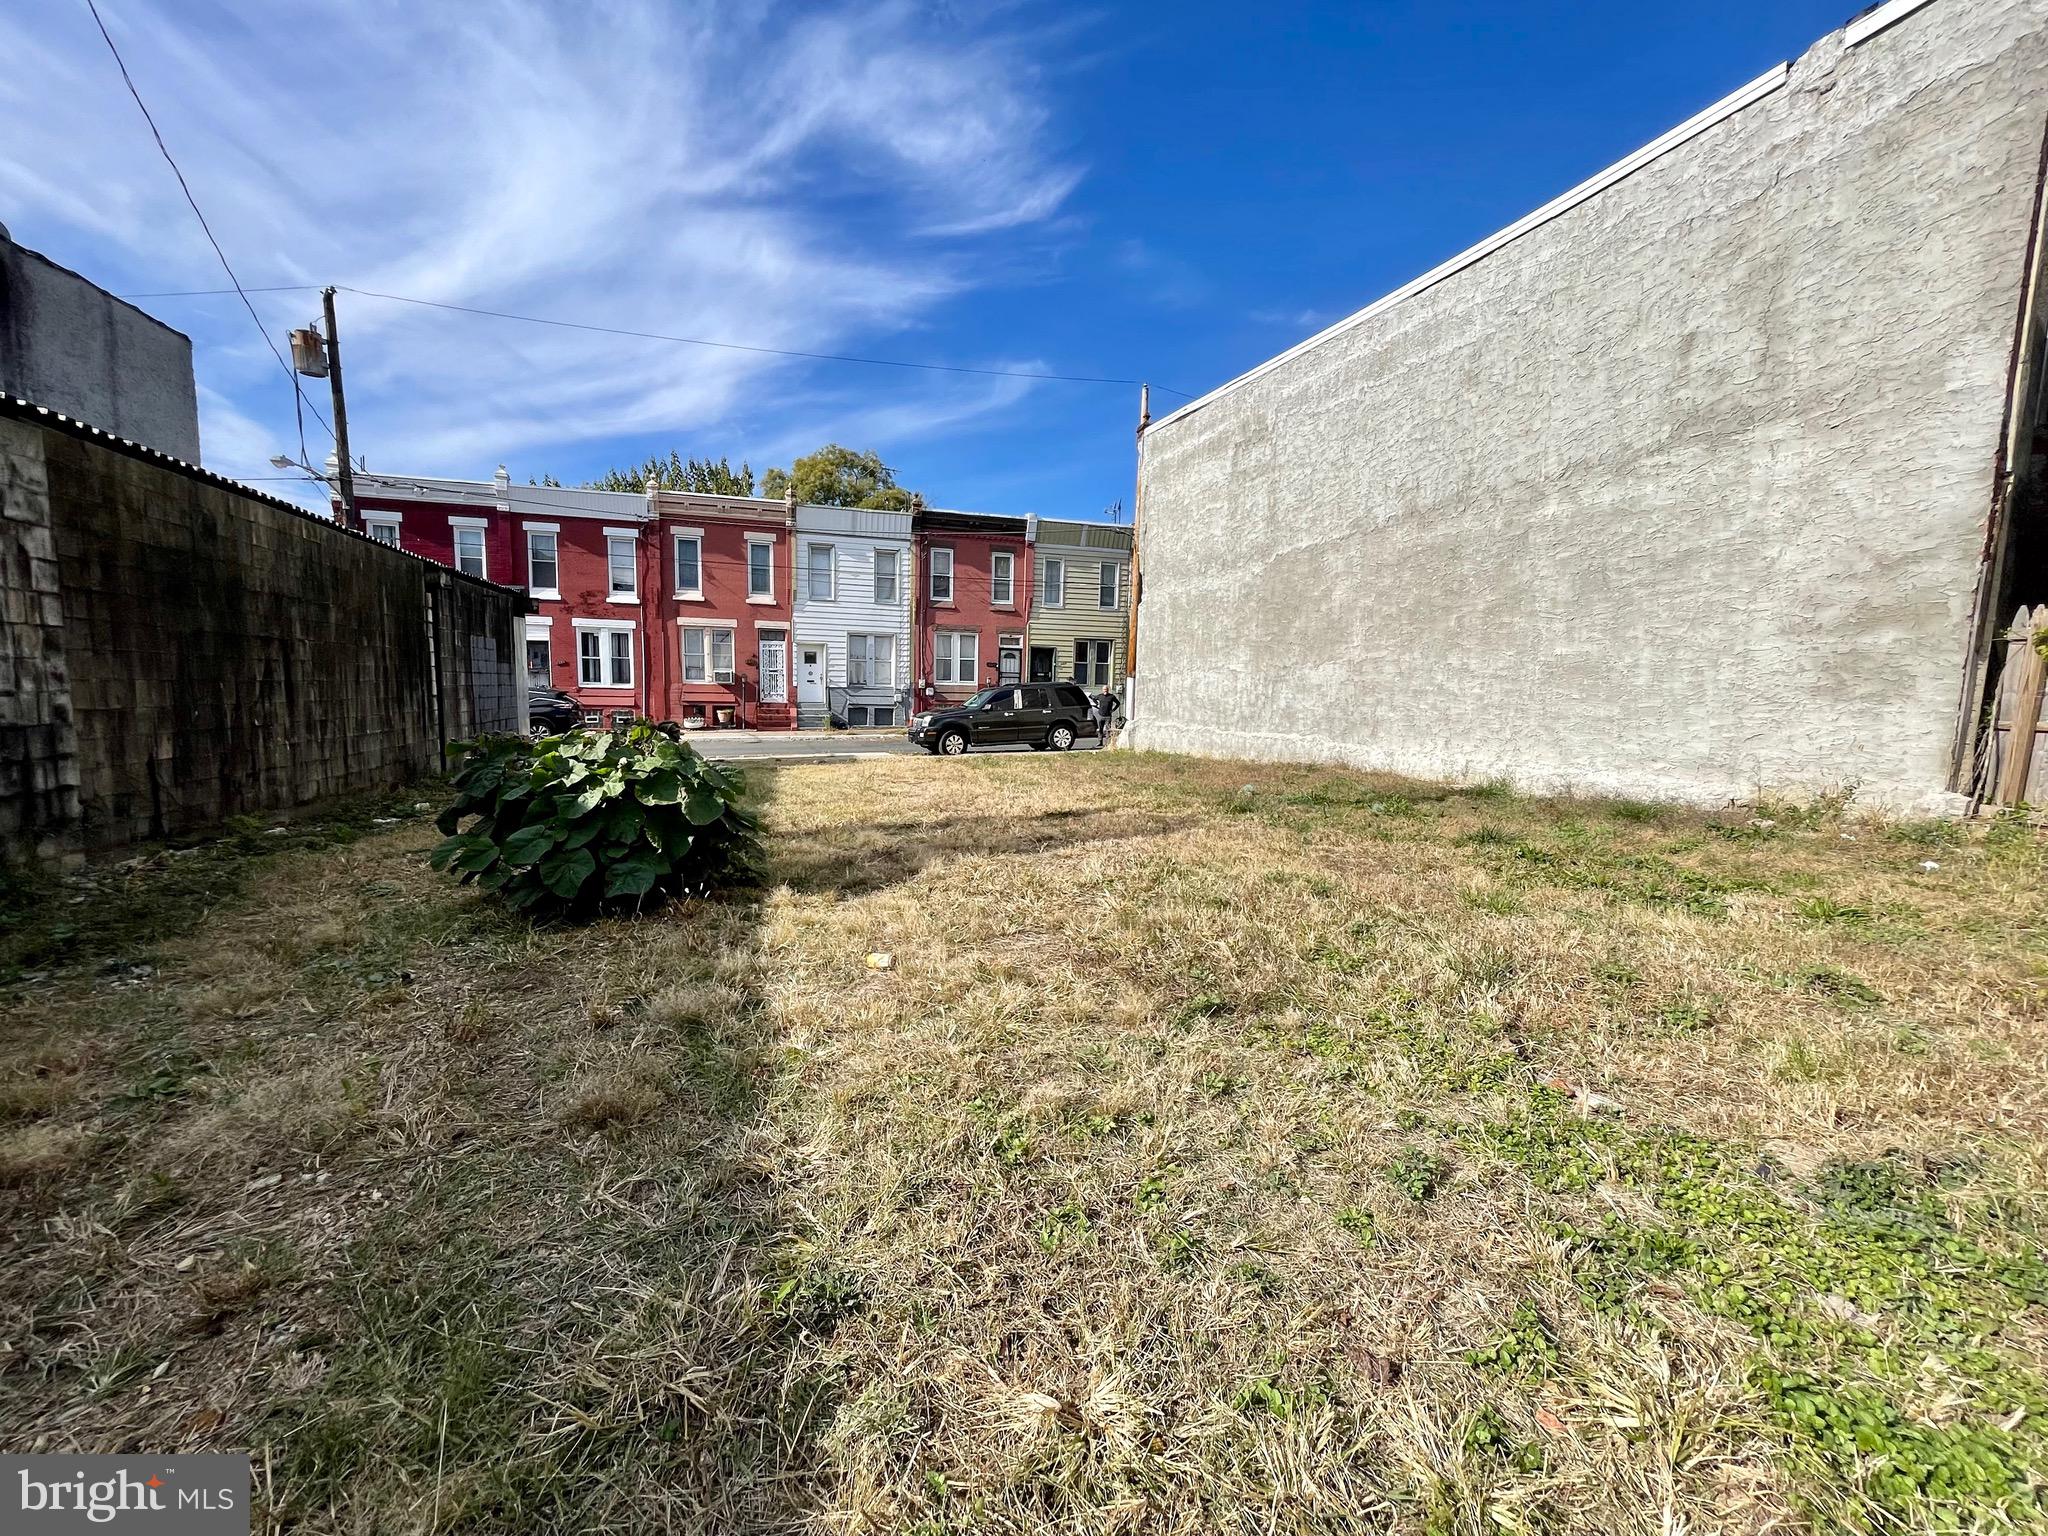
[549,1278]
[859,859]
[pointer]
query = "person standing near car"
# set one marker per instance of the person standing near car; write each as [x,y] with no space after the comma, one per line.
[1104,707]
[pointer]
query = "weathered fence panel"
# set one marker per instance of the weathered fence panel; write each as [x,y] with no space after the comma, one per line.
[176,649]
[2018,758]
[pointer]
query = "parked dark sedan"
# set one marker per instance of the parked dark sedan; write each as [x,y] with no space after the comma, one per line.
[1039,715]
[550,711]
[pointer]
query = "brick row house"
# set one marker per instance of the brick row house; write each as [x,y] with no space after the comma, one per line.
[974,603]
[742,611]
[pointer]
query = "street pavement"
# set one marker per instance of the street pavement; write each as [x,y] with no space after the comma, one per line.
[818,746]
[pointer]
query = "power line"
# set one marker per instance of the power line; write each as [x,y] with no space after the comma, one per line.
[156,133]
[692,341]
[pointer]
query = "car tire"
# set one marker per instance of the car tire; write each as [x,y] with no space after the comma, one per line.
[1060,737]
[953,743]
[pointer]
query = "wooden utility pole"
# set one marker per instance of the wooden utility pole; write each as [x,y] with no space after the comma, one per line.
[1137,507]
[346,480]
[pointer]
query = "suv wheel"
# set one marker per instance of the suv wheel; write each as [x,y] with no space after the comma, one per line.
[953,743]
[1060,737]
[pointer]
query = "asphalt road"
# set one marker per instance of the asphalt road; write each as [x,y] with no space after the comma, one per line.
[820,746]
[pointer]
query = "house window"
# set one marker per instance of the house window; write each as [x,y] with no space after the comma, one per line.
[885,576]
[1091,662]
[956,656]
[818,567]
[383,530]
[543,572]
[1111,580]
[870,661]
[942,575]
[604,655]
[689,565]
[625,572]
[1002,582]
[469,551]
[539,666]
[1053,583]
[707,655]
[761,569]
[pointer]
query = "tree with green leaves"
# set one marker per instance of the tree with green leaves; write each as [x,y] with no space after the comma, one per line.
[676,473]
[839,477]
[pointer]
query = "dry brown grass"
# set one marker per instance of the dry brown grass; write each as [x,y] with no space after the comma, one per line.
[1158,1185]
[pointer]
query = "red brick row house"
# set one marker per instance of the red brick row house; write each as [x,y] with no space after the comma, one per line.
[973,602]
[679,606]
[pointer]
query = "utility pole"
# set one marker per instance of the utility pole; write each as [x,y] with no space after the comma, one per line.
[1137,506]
[346,480]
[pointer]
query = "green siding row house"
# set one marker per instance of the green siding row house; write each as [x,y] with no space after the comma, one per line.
[1080,603]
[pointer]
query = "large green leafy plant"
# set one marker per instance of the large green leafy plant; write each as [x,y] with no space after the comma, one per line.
[578,820]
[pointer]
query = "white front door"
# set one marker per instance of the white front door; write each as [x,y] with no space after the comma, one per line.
[810,674]
[774,670]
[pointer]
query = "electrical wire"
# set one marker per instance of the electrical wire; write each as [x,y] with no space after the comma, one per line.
[691,341]
[126,79]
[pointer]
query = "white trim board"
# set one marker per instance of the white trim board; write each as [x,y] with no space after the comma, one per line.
[1771,80]
[1877,18]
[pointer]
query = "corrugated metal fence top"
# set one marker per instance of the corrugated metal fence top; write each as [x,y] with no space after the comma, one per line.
[13,407]
[1084,535]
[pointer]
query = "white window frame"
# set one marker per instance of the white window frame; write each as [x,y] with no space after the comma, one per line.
[1115,570]
[932,581]
[374,522]
[604,628]
[831,554]
[542,630]
[695,591]
[552,532]
[761,541]
[1052,581]
[949,668]
[864,647]
[613,537]
[479,526]
[1107,662]
[708,636]
[894,576]
[1002,577]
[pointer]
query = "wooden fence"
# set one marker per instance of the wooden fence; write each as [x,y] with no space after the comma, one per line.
[2017,762]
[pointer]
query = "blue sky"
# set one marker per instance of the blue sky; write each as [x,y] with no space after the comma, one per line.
[1166,192]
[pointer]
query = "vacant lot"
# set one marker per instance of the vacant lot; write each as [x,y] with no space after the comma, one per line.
[1224,1149]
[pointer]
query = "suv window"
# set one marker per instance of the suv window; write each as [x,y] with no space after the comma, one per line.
[1038,698]
[1071,697]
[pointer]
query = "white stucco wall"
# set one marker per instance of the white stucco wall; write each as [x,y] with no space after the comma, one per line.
[1679,493]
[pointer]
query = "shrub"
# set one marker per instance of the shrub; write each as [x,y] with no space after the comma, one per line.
[571,822]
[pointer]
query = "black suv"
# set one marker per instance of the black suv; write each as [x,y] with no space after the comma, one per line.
[550,711]
[1038,715]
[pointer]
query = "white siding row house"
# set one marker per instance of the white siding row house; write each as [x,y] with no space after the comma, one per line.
[851,646]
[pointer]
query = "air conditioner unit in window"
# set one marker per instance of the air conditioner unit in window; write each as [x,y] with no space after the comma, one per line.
[722,675]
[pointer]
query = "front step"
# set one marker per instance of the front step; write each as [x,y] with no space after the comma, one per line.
[812,717]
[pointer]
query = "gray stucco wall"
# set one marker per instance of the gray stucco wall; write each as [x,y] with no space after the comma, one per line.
[67,343]
[1682,493]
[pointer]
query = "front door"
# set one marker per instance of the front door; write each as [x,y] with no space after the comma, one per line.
[810,675]
[1043,660]
[774,670]
[1009,663]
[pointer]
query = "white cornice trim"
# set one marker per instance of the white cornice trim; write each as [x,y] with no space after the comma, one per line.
[1877,18]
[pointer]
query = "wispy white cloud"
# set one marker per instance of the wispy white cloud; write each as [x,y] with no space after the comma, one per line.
[724,170]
